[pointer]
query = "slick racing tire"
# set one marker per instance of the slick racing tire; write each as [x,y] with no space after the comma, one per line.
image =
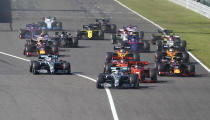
[192,68]
[108,57]
[35,67]
[26,50]
[67,66]
[183,45]
[75,42]
[161,67]
[153,75]
[186,58]
[100,81]
[107,68]
[159,46]
[134,80]
[136,57]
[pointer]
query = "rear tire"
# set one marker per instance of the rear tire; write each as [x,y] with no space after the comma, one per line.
[67,66]
[108,57]
[107,68]
[183,44]
[153,75]
[192,68]
[134,80]
[100,81]
[136,57]
[75,41]
[161,67]
[186,58]
[35,67]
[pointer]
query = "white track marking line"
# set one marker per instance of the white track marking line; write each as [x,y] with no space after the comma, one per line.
[86,77]
[108,92]
[15,56]
[109,95]
[195,58]
[111,102]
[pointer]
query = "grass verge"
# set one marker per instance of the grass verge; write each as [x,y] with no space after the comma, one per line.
[189,25]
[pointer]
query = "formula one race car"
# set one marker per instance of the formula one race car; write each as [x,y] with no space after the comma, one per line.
[145,75]
[65,40]
[121,54]
[30,31]
[136,45]
[125,33]
[134,67]
[175,68]
[160,35]
[170,54]
[171,41]
[49,64]
[90,32]
[106,26]
[50,23]
[117,79]
[40,47]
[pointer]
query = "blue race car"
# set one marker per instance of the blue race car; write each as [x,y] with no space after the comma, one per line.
[136,44]
[30,31]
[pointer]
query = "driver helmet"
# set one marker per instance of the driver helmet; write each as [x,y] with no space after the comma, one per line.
[122,61]
[43,33]
[40,39]
[122,51]
[136,66]
[171,49]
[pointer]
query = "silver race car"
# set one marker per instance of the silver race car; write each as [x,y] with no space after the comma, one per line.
[49,64]
[117,78]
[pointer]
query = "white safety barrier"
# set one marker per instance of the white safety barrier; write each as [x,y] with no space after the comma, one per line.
[194,6]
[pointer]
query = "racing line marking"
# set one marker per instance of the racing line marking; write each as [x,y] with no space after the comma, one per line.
[195,58]
[108,92]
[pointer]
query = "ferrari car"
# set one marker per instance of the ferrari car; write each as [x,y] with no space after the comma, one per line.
[50,23]
[117,79]
[105,25]
[49,64]
[90,32]
[65,39]
[29,32]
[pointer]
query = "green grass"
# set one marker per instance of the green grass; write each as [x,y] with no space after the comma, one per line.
[189,25]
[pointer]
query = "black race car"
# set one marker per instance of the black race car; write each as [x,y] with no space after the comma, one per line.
[65,39]
[106,26]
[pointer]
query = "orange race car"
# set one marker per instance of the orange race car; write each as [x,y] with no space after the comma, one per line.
[121,54]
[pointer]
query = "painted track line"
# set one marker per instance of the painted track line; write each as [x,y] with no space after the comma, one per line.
[195,58]
[15,56]
[108,92]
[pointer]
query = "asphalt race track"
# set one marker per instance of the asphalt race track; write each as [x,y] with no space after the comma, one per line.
[24,96]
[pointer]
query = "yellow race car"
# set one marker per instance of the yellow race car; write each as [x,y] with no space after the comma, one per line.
[90,32]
